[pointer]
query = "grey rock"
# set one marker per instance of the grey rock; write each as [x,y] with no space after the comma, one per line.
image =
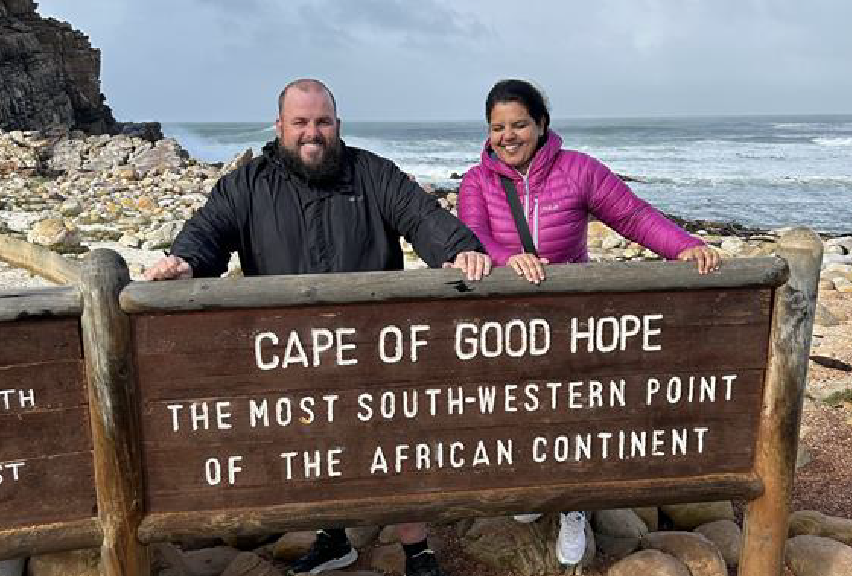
[727,537]
[824,317]
[55,234]
[817,556]
[51,75]
[166,154]
[388,558]
[74,563]
[836,259]
[649,563]
[361,536]
[163,236]
[698,553]
[813,523]
[650,515]
[71,207]
[293,545]
[250,564]
[507,545]
[689,516]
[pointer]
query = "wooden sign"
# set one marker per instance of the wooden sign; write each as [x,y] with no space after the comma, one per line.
[317,404]
[46,471]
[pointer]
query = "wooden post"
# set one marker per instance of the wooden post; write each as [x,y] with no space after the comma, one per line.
[765,526]
[115,430]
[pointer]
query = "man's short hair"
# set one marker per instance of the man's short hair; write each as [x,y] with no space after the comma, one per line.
[305,84]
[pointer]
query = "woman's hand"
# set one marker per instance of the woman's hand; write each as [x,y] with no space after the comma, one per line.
[706,257]
[529,266]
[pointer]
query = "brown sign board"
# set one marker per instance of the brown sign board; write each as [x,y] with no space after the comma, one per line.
[323,403]
[46,463]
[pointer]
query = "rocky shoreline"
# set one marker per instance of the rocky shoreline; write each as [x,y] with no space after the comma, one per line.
[72,193]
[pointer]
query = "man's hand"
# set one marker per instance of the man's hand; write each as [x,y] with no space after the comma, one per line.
[169,268]
[529,266]
[473,264]
[707,258]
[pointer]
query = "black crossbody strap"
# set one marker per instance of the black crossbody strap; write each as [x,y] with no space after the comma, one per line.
[517,213]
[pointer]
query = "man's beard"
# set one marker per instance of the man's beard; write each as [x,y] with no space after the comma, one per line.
[323,172]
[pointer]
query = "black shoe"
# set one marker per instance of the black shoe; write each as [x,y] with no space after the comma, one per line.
[423,564]
[325,554]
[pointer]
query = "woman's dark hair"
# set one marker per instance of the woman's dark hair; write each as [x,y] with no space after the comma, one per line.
[523,93]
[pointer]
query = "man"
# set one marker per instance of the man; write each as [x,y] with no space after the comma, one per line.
[311,204]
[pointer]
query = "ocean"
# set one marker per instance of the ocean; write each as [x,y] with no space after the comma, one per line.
[760,171]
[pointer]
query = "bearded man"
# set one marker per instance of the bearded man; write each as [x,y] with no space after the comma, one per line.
[311,204]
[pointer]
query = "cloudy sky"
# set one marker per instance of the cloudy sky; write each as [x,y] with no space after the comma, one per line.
[226,60]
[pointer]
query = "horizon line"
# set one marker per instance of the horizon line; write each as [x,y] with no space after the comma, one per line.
[344,120]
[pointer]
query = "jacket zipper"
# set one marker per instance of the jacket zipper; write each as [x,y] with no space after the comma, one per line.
[535,223]
[532,217]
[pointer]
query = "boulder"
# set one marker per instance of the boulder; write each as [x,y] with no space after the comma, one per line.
[842,285]
[361,536]
[836,259]
[56,234]
[618,532]
[510,546]
[813,523]
[727,537]
[649,563]
[165,155]
[162,237]
[650,515]
[167,560]
[689,516]
[293,545]
[388,535]
[388,558]
[824,317]
[66,155]
[844,242]
[698,553]
[817,556]
[74,563]
[250,564]
[209,561]
[71,207]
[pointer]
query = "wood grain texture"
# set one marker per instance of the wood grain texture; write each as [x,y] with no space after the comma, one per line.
[190,361]
[446,507]
[23,303]
[280,291]
[46,462]
[56,489]
[112,386]
[38,260]
[765,525]
[50,538]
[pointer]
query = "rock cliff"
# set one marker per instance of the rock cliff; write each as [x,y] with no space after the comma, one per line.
[50,76]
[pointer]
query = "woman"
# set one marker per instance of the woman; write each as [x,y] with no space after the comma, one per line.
[558,191]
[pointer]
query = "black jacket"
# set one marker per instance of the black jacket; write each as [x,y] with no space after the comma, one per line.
[278,224]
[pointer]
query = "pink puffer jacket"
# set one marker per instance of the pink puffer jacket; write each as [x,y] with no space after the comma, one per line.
[562,189]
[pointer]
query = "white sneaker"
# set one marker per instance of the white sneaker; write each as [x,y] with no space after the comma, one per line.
[526,518]
[571,542]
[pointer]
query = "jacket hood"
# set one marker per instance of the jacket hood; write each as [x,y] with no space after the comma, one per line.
[540,166]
